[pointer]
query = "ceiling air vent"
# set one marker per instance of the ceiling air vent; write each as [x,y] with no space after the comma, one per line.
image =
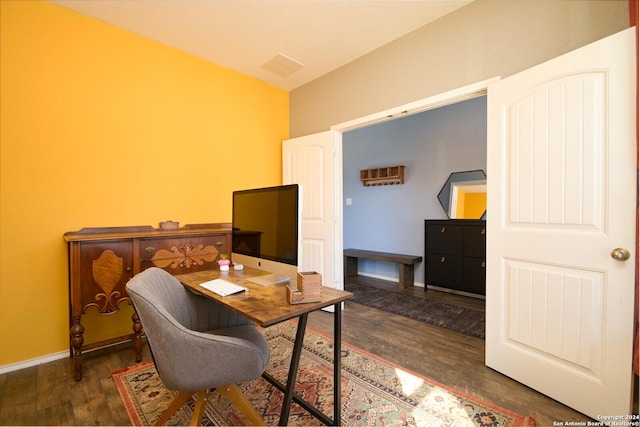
[282,65]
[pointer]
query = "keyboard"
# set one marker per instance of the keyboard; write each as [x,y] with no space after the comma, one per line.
[222,287]
[269,279]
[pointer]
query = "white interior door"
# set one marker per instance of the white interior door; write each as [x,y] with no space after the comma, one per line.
[313,162]
[561,197]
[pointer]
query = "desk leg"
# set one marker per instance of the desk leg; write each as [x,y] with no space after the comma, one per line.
[293,370]
[337,363]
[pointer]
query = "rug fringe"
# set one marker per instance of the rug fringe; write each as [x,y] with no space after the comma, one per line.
[142,365]
[120,386]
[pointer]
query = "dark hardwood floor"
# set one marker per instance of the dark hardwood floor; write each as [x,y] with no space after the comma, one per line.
[48,395]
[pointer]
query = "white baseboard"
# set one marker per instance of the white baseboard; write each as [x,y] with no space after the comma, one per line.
[33,362]
[389,279]
[48,358]
[453,291]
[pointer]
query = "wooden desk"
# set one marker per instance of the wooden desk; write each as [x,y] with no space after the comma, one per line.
[268,305]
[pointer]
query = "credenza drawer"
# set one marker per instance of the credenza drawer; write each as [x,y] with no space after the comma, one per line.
[183,254]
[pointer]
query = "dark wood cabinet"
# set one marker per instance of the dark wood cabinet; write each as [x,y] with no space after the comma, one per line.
[102,260]
[455,254]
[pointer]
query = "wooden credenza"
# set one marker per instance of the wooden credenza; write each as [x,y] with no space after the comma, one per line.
[455,254]
[102,260]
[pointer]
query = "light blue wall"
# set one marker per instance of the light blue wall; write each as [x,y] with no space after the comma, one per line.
[431,145]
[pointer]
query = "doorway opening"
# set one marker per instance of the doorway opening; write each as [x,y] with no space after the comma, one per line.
[465,93]
[432,146]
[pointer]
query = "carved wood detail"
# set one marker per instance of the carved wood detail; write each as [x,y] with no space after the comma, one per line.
[107,271]
[184,256]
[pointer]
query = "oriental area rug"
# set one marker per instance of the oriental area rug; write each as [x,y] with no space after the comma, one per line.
[374,391]
[459,319]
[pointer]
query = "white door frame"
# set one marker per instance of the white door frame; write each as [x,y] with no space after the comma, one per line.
[446,98]
[450,97]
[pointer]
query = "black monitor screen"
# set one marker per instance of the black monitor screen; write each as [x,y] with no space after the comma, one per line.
[265,223]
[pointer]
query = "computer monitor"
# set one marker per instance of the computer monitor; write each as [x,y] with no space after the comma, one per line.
[267,229]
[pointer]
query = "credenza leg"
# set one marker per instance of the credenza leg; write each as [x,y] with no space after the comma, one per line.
[77,339]
[137,336]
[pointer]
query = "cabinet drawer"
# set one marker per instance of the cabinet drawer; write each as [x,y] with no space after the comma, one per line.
[445,239]
[183,254]
[475,237]
[444,270]
[475,275]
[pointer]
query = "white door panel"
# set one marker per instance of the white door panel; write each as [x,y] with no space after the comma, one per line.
[311,162]
[561,196]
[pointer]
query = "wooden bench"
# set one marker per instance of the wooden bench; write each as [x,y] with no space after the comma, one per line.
[405,263]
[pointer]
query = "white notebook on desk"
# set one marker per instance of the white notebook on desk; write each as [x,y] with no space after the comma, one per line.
[222,287]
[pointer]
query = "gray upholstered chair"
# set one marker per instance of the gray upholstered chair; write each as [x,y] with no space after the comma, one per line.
[197,345]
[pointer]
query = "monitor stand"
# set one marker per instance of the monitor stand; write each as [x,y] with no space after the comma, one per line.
[270,279]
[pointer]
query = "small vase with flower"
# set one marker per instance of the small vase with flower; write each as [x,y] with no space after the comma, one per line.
[223,262]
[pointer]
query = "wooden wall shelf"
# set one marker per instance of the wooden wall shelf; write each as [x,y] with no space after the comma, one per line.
[388,175]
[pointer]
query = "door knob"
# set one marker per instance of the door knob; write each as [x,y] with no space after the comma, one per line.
[620,254]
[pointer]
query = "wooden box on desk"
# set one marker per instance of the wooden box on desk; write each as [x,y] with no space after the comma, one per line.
[308,288]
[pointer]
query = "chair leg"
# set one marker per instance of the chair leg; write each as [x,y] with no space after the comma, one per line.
[231,392]
[176,404]
[198,410]
[234,394]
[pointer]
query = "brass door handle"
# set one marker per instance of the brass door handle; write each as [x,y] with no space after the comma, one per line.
[620,254]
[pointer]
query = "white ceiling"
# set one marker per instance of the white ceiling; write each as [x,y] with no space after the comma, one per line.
[243,35]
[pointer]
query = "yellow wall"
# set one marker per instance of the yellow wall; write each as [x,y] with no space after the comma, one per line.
[101,127]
